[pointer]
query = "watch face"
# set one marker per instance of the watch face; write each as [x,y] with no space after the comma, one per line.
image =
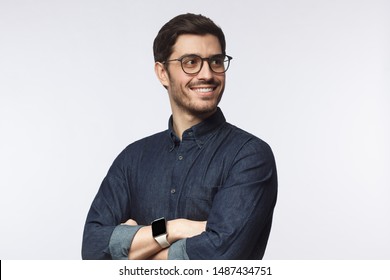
[159,227]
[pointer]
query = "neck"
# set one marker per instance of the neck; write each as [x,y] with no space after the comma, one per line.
[183,121]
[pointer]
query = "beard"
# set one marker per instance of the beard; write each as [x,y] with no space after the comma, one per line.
[187,101]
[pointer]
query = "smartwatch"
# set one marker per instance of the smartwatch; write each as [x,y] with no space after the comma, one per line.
[159,231]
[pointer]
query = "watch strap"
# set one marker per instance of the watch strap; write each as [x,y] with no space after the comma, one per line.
[162,240]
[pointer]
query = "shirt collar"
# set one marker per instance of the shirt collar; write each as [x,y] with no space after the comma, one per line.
[199,132]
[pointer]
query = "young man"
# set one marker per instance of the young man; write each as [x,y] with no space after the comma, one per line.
[203,189]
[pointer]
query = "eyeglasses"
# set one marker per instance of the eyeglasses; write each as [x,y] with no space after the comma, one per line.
[192,63]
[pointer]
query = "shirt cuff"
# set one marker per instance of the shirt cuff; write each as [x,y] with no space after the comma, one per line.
[120,241]
[177,251]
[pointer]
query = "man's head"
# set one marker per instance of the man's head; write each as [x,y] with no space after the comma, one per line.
[184,24]
[190,63]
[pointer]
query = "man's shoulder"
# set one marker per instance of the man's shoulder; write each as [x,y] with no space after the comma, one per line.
[245,142]
[151,140]
[250,148]
[146,146]
[243,136]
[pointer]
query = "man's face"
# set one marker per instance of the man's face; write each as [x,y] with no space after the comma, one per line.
[195,94]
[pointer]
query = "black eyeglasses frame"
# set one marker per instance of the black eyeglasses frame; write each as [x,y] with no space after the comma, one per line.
[227,58]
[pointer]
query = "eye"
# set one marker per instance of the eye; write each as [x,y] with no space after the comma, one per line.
[217,60]
[190,61]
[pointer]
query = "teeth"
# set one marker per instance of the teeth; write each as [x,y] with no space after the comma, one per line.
[203,89]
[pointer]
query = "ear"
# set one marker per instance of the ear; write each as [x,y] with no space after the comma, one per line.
[162,74]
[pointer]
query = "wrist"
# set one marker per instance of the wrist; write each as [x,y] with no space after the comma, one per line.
[173,229]
[160,232]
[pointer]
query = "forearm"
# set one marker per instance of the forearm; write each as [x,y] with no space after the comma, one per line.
[162,255]
[144,246]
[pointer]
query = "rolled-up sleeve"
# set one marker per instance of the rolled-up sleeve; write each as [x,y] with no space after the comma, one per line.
[120,241]
[177,251]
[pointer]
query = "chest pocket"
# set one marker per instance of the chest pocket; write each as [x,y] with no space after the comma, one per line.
[198,202]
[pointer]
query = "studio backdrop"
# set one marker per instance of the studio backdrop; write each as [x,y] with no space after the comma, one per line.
[311,78]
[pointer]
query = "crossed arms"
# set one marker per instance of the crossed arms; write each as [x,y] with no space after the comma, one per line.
[237,227]
[145,247]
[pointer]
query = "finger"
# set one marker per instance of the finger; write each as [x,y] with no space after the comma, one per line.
[130,222]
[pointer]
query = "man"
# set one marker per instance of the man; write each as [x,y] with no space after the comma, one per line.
[203,189]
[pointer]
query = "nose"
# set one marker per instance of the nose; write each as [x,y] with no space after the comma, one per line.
[205,73]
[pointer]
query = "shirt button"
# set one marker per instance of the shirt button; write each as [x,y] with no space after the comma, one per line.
[180,157]
[173,191]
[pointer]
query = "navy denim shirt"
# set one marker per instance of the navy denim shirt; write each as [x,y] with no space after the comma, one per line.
[217,173]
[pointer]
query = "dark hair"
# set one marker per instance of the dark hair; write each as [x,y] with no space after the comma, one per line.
[184,24]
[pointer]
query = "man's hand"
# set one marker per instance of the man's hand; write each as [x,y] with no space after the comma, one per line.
[130,222]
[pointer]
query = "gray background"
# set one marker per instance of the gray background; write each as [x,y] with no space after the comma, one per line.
[311,78]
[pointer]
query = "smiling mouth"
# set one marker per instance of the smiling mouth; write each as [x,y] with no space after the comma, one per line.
[203,89]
